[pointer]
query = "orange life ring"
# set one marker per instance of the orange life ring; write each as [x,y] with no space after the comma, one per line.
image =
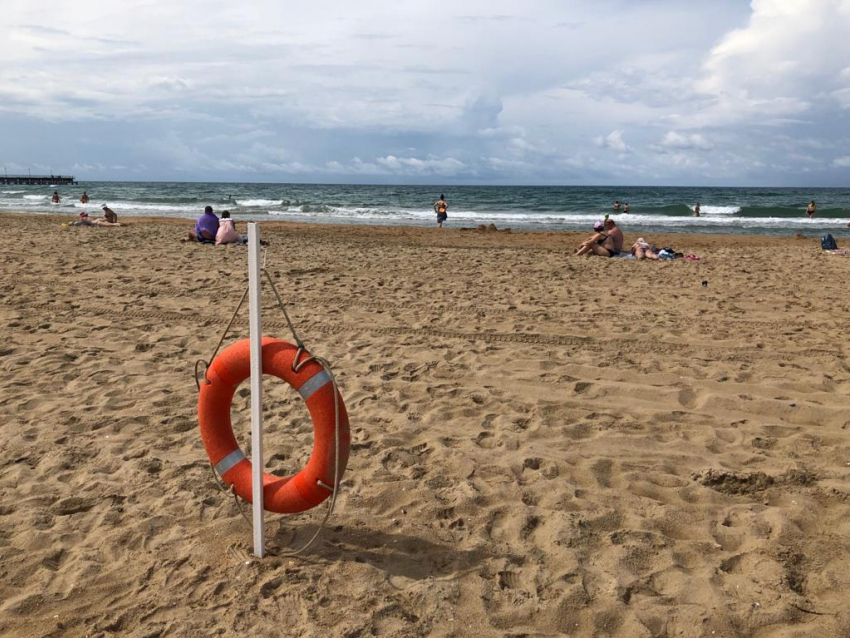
[285,495]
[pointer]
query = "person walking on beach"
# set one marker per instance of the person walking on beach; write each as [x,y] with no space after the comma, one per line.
[440,207]
[55,198]
[810,209]
[85,198]
[696,210]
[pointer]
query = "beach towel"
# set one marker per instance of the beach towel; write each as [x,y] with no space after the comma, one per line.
[842,251]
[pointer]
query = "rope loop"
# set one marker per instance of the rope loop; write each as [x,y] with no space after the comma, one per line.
[297,364]
[206,367]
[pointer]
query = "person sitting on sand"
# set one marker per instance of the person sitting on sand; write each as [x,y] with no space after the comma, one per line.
[614,242]
[109,214]
[85,198]
[810,209]
[205,228]
[227,231]
[642,250]
[593,244]
[55,198]
[440,207]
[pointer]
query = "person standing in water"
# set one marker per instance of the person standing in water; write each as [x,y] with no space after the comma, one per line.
[617,206]
[55,198]
[440,207]
[626,207]
[696,210]
[85,198]
[810,209]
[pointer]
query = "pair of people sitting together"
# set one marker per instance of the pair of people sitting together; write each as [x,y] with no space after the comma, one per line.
[209,229]
[109,218]
[607,241]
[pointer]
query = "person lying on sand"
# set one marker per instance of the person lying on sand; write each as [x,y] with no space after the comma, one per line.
[642,250]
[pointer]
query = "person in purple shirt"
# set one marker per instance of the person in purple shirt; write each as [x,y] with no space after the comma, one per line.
[205,228]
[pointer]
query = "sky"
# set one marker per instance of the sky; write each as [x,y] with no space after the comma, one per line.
[625,92]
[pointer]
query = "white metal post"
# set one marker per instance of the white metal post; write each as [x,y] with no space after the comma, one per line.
[256,341]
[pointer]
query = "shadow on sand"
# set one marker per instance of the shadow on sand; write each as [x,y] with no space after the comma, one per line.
[395,554]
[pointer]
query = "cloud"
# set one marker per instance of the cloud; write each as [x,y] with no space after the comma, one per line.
[365,93]
[673,139]
[842,162]
[444,167]
[614,141]
[790,56]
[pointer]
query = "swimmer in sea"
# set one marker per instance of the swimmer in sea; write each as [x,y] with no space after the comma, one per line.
[85,198]
[810,209]
[617,206]
[55,198]
[696,210]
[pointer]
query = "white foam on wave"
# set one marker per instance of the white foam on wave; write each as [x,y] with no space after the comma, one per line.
[34,197]
[12,192]
[137,206]
[554,219]
[718,210]
[259,203]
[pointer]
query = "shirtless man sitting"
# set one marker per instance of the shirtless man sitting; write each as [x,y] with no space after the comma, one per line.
[613,244]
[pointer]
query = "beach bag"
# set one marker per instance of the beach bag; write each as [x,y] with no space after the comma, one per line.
[827,242]
[227,233]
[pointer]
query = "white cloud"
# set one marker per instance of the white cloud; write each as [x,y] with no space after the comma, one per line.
[673,139]
[445,167]
[790,56]
[209,89]
[842,162]
[614,141]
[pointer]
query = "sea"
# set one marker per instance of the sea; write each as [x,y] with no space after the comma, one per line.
[770,211]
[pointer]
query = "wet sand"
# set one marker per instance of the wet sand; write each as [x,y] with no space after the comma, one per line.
[541,445]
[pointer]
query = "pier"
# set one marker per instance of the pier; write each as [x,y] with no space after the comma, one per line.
[38,180]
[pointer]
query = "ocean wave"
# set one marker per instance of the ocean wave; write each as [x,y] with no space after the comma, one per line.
[12,192]
[137,206]
[258,203]
[35,197]
[717,210]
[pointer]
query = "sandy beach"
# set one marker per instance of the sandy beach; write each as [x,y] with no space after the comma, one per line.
[541,445]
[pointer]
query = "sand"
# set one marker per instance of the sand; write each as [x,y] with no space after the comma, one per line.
[541,446]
